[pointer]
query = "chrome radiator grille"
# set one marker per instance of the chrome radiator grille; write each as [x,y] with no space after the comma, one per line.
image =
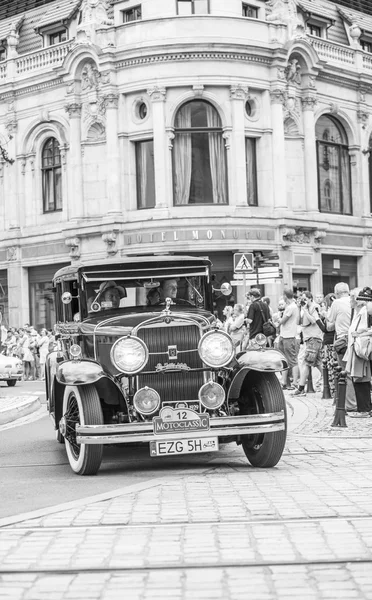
[174,385]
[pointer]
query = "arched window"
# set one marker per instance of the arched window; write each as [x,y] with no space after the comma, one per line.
[334,175]
[52,176]
[199,156]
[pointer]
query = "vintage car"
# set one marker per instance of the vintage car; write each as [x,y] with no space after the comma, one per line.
[142,360]
[11,369]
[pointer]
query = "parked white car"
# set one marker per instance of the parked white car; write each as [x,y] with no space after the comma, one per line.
[11,369]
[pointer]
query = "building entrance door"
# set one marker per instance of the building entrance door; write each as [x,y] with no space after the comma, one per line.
[301,282]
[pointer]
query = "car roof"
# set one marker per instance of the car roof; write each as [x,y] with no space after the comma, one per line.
[137,264]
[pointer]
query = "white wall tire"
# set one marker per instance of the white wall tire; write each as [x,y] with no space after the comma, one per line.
[82,405]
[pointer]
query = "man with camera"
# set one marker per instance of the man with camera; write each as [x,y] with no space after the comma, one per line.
[288,322]
[312,337]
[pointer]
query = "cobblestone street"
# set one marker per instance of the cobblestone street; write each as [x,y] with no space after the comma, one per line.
[222,530]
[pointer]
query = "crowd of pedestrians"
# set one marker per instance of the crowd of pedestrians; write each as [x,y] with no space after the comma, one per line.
[30,346]
[313,332]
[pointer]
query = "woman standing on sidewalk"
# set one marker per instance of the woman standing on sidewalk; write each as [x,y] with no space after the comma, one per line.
[358,368]
[43,350]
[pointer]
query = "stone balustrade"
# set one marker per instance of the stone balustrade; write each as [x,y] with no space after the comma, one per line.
[3,70]
[332,52]
[42,59]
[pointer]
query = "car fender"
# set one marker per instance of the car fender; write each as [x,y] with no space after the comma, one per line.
[79,372]
[264,361]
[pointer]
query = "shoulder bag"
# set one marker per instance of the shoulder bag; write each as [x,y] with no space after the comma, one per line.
[268,328]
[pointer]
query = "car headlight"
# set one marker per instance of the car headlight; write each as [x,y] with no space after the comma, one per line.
[212,395]
[146,401]
[216,349]
[75,352]
[129,354]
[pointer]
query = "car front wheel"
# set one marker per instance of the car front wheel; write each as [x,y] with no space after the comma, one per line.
[81,405]
[11,382]
[262,393]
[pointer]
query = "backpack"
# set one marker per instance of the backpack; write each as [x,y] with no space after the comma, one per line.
[363,347]
[268,328]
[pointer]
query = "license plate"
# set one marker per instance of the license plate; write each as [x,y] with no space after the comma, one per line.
[191,446]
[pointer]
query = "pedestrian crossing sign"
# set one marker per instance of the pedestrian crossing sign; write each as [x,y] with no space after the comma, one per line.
[243,263]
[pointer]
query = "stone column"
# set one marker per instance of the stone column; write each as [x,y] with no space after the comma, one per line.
[365,142]
[113,154]
[279,167]
[75,187]
[238,96]
[19,309]
[12,176]
[158,97]
[311,167]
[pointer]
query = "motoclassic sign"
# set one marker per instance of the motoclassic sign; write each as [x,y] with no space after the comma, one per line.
[179,420]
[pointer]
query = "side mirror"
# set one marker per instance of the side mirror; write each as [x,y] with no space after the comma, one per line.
[225,289]
[66,297]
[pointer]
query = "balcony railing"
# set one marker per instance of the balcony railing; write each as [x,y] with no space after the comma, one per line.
[332,52]
[3,70]
[41,59]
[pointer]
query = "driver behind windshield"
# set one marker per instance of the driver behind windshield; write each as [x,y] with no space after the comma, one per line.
[168,289]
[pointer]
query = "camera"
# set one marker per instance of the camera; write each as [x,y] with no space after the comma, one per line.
[303,302]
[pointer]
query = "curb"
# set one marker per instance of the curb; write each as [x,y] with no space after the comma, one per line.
[25,407]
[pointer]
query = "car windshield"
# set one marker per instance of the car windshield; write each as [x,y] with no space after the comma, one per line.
[104,294]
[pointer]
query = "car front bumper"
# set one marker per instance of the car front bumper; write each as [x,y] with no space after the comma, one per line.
[143,432]
[6,375]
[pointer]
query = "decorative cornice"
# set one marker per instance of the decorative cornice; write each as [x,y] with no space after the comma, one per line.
[32,89]
[74,109]
[157,94]
[187,56]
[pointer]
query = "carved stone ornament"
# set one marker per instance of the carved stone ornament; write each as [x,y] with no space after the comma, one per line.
[12,253]
[110,240]
[94,111]
[281,75]
[11,125]
[334,108]
[111,100]
[157,94]
[308,102]
[278,96]
[171,136]
[96,12]
[74,245]
[319,236]
[285,11]
[293,72]
[239,92]
[90,77]
[363,118]
[227,137]
[369,242]
[198,89]
[291,235]
[73,110]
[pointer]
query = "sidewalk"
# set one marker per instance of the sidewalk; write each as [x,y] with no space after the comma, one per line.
[17,407]
[223,530]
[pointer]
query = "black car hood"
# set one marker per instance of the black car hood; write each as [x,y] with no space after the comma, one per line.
[123,321]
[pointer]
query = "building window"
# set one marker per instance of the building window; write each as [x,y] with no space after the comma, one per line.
[192,7]
[334,174]
[145,174]
[2,54]
[366,45]
[199,156]
[250,11]
[132,14]
[370,172]
[315,30]
[52,176]
[58,37]
[251,171]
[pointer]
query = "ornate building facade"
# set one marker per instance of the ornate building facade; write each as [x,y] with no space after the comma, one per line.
[183,126]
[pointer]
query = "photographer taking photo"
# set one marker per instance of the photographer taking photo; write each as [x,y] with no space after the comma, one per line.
[312,337]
